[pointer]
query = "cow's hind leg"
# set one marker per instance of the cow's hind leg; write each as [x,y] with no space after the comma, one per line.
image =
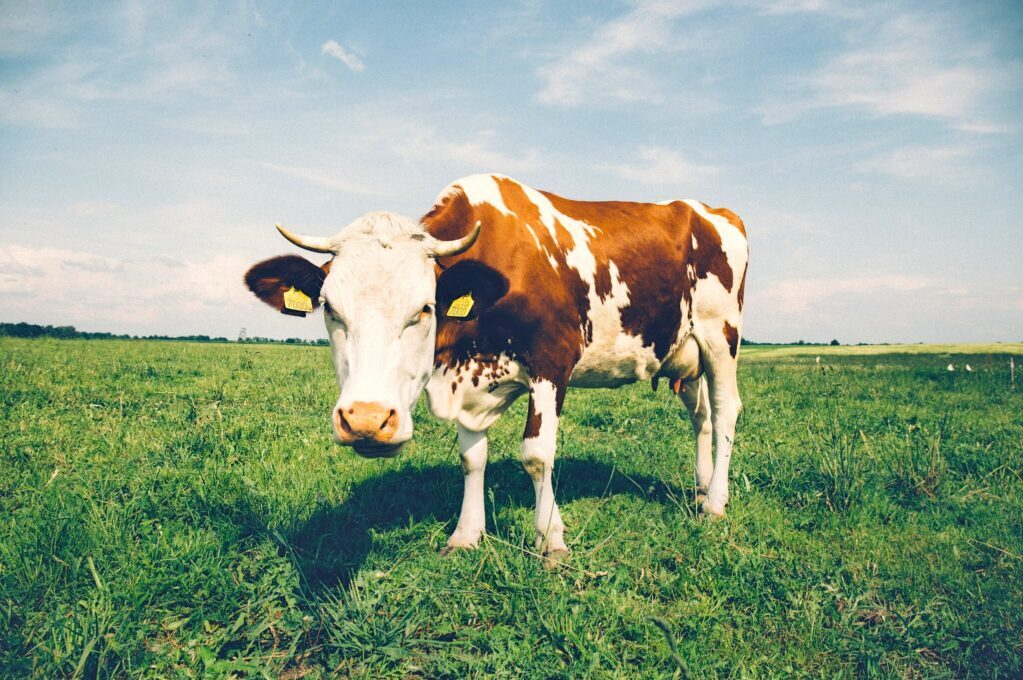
[472,518]
[720,359]
[538,445]
[694,394]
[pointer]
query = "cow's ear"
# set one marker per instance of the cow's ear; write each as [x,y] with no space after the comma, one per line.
[270,279]
[485,284]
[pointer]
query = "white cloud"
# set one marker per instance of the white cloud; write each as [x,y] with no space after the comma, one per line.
[320,179]
[982,127]
[187,56]
[794,6]
[93,291]
[422,143]
[10,283]
[904,65]
[29,267]
[899,80]
[663,166]
[943,163]
[26,26]
[93,208]
[168,261]
[133,19]
[598,70]
[35,274]
[93,263]
[614,63]
[346,57]
[883,307]
[801,294]
[52,98]
[780,223]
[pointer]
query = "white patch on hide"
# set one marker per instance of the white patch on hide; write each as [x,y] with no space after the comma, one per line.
[545,403]
[613,357]
[482,189]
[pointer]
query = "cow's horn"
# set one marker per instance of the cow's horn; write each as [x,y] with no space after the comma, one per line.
[317,244]
[459,245]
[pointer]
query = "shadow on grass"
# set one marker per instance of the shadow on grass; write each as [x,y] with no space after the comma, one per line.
[334,542]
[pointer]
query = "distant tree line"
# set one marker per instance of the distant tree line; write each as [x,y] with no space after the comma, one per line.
[833,343]
[31,330]
[287,341]
[798,342]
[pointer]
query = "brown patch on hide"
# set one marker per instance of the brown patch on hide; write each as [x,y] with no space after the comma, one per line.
[534,420]
[732,336]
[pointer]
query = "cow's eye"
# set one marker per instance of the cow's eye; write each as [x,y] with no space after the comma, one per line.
[422,315]
[332,313]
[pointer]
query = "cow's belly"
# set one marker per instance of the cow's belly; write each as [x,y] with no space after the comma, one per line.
[614,359]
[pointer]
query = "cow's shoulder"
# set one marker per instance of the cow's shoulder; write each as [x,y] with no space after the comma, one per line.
[526,299]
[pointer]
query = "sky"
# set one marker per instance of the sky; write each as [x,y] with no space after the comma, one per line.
[874,150]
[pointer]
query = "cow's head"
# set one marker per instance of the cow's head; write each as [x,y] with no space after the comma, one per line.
[377,293]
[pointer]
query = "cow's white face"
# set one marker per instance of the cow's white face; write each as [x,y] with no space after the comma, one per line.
[377,295]
[378,305]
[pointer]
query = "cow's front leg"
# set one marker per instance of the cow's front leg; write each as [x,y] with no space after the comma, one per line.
[538,446]
[472,519]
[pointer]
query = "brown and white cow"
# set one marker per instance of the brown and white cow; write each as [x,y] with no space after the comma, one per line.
[563,292]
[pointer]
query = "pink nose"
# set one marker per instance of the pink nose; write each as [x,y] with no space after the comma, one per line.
[365,421]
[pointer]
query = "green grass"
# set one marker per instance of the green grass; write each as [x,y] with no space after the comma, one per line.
[179,510]
[949,350]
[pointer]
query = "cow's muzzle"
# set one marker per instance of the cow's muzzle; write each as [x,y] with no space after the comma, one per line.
[368,427]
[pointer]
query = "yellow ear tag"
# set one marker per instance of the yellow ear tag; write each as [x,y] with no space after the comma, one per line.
[296,302]
[460,308]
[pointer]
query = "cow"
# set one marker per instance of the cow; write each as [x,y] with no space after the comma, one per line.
[501,291]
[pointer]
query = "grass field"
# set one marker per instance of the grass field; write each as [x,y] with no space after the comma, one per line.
[179,510]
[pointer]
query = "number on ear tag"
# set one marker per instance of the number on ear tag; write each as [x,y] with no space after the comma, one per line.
[461,307]
[296,302]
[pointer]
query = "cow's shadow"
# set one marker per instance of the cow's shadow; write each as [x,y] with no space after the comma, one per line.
[335,541]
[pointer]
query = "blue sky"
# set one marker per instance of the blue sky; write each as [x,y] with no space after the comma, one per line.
[873,149]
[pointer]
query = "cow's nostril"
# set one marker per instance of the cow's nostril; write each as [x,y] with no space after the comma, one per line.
[390,421]
[343,422]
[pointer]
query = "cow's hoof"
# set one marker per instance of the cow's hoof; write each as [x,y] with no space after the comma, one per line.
[455,544]
[457,547]
[449,549]
[553,558]
[712,511]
